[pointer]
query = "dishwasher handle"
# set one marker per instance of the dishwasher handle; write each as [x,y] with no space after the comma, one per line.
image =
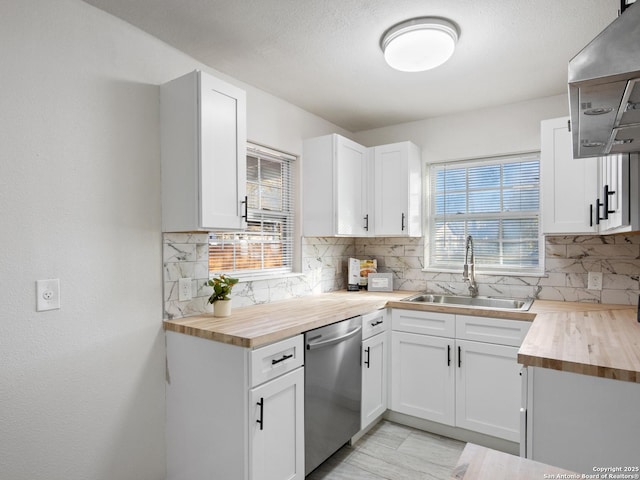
[333,341]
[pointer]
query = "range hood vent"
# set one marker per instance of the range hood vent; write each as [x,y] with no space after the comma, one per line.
[604,90]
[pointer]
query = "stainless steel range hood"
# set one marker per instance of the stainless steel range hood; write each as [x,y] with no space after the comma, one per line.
[604,90]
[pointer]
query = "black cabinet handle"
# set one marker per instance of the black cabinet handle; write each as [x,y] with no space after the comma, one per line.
[607,194]
[403,216]
[598,217]
[591,214]
[448,355]
[261,420]
[459,356]
[284,357]
[246,208]
[366,362]
[366,222]
[375,324]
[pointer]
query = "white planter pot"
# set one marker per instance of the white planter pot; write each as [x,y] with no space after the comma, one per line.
[222,308]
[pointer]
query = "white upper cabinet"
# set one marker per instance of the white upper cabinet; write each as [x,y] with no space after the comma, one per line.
[335,179]
[398,190]
[356,191]
[568,186]
[203,142]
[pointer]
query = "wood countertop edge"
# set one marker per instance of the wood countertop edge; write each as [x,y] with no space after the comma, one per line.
[579,368]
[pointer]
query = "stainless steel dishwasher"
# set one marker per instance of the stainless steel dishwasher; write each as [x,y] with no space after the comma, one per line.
[332,391]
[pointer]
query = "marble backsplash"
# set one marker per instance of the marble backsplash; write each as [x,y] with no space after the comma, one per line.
[568,259]
[185,255]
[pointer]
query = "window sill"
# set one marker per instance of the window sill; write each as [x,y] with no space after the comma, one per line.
[275,276]
[487,273]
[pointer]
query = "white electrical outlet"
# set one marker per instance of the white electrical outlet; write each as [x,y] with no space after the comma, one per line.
[594,281]
[47,294]
[184,289]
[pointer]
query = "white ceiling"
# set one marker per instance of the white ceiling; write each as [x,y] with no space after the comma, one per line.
[324,55]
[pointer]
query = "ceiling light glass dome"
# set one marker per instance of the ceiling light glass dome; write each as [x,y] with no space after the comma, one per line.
[419,44]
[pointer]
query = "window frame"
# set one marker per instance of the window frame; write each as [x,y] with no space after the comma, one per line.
[431,218]
[287,217]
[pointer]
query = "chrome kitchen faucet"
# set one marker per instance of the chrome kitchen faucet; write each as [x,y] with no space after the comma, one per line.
[469,270]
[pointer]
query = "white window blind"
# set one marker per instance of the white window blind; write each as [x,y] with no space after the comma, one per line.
[497,202]
[265,248]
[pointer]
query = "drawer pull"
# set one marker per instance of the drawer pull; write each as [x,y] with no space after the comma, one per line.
[375,324]
[261,420]
[284,357]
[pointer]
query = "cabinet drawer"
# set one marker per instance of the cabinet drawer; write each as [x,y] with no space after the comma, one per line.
[273,360]
[426,323]
[491,330]
[374,323]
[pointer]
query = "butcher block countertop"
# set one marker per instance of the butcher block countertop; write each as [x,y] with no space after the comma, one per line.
[592,339]
[587,338]
[480,463]
[258,325]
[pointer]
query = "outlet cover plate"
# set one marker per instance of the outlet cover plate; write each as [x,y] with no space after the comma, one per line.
[47,294]
[184,289]
[594,281]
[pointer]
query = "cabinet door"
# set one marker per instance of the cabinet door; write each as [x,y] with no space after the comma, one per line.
[374,378]
[422,376]
[488,389]
[223,145]
[614,192]
[397,192]
[276,430]
[351,178]
[335,187]
[568,186]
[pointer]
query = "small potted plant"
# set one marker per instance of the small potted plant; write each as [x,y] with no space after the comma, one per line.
[222,286]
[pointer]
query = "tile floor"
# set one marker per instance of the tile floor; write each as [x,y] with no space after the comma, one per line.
[393,452]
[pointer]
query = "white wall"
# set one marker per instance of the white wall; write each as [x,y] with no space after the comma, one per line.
[82,388]
[500,130]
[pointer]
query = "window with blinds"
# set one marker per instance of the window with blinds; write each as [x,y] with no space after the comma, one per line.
[497,202]
[265,248]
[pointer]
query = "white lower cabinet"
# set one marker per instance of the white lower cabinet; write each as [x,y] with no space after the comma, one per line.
[375,352]
[580,422]
[374,378]
[234,412]
[488,389]
[458,382]
[275,453]
[422,377]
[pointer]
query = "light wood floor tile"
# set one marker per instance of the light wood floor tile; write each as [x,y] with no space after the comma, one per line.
[393,452]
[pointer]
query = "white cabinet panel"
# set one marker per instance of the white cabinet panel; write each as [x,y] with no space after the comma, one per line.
[276,444]
[203,154]
[374,378]
[426,323]
[335,181]
[568,186]
[488,389]
[491,330]
[398,190]
[422,376]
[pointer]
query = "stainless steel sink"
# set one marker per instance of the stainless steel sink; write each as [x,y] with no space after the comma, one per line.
[494,303]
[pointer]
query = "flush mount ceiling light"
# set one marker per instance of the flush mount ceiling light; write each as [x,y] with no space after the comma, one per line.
[419,44]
